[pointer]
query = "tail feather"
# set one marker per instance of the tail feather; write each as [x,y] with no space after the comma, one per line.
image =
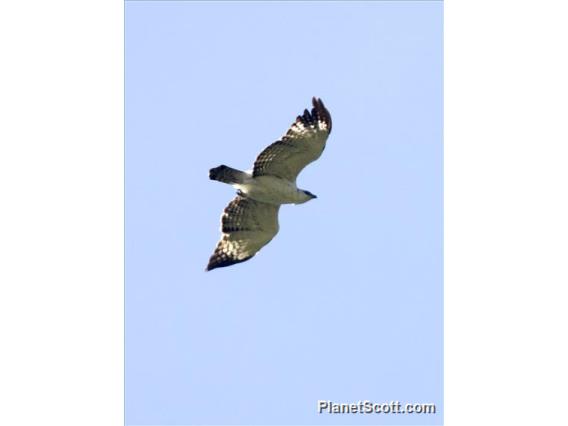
[227,174]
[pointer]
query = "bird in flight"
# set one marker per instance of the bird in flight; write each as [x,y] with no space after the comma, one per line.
[250,220]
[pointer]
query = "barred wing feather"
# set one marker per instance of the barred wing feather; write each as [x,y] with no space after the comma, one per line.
[302,144]
[247,226]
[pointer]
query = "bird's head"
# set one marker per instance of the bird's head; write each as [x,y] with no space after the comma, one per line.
[306,196]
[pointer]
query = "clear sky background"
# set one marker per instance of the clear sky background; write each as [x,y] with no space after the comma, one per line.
[345,304]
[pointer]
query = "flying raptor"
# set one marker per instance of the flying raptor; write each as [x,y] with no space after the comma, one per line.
[250,221]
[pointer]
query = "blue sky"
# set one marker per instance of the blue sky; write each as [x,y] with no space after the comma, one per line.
[345,304]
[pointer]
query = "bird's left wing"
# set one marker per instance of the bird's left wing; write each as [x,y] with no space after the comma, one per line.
[247,226]
[303,143]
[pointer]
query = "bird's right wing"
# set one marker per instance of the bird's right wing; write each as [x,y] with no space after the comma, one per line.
[247,226]
[303,143]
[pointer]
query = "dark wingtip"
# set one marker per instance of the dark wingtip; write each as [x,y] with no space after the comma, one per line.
[321,112]
[317,103]
[216,262]
[212,265]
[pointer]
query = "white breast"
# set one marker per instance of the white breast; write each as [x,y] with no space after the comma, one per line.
[271,189]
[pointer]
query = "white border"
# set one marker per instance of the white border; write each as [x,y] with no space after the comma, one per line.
[506,212]
[61,220]
[61,227]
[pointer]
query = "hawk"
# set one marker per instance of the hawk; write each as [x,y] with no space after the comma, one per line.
[250,221]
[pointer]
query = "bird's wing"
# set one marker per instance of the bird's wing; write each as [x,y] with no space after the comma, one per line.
[303,143]
[247,226]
